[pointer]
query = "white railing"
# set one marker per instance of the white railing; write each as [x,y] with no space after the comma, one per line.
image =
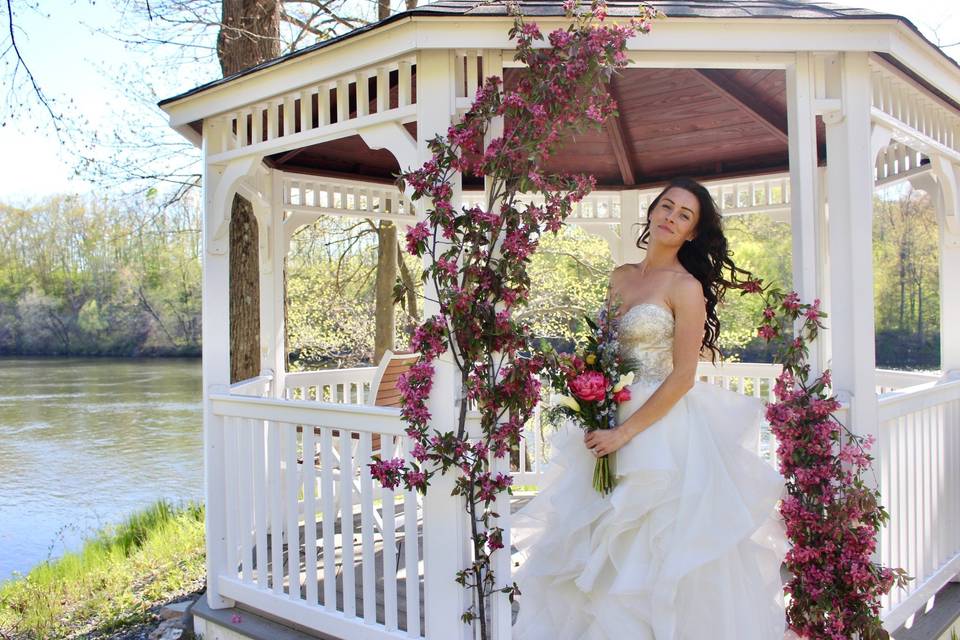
[310,195]
[342,386]
[919,479]
[899,98]
[301,505]
[741,196]
[888,380]
[310,536]
[258,386]
[369,95]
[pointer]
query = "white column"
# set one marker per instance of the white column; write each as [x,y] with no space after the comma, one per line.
[850,174]
[216,356]
[948,215]
[629,227]
[276,345]
[445,528]
[806,221]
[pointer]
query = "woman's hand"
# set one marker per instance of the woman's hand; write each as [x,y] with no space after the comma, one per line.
[605,441]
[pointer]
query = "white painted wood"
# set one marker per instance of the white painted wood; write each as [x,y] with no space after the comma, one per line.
[311,558]
[805,215]
[364,453]
[275,505]
[298,612]
[411,560]
[291,490]
[389,547]
[258,436]
[329,533]
[232,487]
[346,526]
[325,133]
[851,250]
[444,531]
[245,498]
[216,364]
[630,227]
[501,616]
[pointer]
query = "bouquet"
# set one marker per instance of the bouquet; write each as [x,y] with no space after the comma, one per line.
[591,382]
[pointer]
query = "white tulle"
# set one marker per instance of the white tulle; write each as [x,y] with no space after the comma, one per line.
[688,546]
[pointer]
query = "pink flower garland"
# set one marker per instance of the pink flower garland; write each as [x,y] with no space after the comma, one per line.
[832,517]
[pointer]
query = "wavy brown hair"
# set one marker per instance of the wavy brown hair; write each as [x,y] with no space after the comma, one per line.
[706,257]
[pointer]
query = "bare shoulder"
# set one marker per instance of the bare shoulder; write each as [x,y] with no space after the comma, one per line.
[686,292]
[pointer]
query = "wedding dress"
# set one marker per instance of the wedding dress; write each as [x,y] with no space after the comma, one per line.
[688,545]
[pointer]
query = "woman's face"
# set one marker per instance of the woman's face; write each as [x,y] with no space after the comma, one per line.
[674,220]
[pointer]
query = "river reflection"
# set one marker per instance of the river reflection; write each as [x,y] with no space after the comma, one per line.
[84,442]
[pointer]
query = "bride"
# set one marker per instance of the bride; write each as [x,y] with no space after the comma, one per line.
[688,545]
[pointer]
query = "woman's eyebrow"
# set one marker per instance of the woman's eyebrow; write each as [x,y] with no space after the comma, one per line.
[674,203]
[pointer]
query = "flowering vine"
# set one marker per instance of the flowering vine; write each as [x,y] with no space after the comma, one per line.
[477,265]
[832,516]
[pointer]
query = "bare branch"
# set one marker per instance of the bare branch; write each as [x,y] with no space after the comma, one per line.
[23,63]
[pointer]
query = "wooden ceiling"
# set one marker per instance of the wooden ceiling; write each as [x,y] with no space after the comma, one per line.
[702,123]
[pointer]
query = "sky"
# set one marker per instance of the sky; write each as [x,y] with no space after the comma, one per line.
[80,65]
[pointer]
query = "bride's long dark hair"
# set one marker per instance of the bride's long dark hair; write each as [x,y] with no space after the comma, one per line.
[705,257]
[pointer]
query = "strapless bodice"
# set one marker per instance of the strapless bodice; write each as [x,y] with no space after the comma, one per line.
[646,341]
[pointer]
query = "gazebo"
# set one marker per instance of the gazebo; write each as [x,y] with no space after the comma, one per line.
[800,110]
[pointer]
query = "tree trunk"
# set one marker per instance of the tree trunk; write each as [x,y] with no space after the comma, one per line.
[244,292]
[383,9]
[410,286]
[386,279]
[411,4]
[249,34]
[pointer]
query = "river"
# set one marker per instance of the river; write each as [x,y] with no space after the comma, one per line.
[84,442]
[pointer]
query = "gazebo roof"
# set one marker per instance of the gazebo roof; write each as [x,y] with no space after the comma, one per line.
[742,9]
[703,122]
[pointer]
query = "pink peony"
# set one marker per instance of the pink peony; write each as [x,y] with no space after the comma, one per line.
[590,386]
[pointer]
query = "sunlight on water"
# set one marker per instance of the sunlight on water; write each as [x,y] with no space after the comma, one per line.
[83,442]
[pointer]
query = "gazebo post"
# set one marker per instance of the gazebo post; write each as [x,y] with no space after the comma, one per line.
[444,523]
[630,216]
[947,203]
[807,222]
[272,293]
[850,177]
[219,185]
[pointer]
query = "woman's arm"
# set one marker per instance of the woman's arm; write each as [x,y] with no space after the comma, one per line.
[691,314]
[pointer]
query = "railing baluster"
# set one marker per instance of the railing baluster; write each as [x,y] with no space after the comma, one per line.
[347,570]
[411,547]
[388,517]
[366,529]
[258,443]
[232,500]
[310,559]
[329,517]
[291,506]
[245,482]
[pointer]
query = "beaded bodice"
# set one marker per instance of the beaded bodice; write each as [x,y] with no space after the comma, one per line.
[646,341]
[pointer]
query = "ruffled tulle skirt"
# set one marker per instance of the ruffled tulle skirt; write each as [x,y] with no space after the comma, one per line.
[688,545]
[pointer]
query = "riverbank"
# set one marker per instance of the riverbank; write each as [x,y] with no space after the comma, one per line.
[115,586]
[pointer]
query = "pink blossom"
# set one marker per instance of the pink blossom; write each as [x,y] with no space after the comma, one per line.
[590,386]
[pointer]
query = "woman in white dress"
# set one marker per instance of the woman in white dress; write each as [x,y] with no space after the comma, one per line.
[688,546]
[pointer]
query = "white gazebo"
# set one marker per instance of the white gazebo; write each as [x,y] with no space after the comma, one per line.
[796,109]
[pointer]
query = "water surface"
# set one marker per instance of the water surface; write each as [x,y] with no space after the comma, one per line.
[84,442]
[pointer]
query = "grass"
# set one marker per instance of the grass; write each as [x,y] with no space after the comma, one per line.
[117,580]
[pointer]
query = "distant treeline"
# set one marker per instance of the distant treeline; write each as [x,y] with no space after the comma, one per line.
[91,277]
[81,276]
